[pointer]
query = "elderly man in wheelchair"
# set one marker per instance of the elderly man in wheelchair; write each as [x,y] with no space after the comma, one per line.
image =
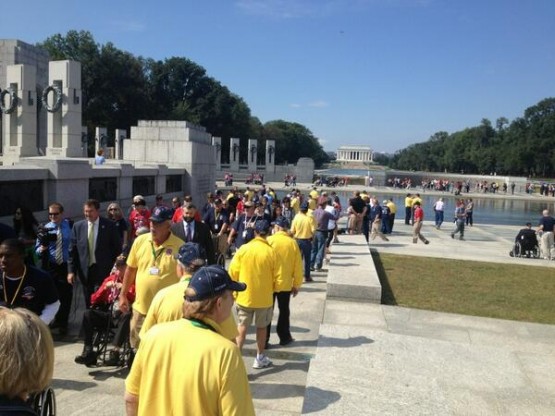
[104,322]
[526,243]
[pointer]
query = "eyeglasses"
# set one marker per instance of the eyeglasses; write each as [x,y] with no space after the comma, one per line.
[113,209]
[53,214]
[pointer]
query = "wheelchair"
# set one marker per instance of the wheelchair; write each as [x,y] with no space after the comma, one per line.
[117,325]
[526,248]
[44,403]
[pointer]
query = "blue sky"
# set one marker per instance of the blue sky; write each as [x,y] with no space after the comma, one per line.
[382,73]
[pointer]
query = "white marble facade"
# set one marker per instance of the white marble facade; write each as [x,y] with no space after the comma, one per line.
[354,154]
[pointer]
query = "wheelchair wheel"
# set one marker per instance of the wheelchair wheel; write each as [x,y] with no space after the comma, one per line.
[44,403]
[220,260]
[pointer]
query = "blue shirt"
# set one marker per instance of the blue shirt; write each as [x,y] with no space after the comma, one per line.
[66,240]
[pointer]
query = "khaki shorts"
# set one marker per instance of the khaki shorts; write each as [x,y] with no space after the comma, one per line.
[135,327]
[262,316]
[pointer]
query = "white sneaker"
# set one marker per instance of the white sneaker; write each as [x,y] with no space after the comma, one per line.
[262,362]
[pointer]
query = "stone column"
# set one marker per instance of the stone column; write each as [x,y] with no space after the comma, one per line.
[234,154]
[253,155]
[121,135]
[100,139]
[270,156]
[217,143]
[84,141]
[64,124]
[19,113]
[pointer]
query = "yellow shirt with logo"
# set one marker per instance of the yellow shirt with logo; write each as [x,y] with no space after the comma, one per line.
[156,270]
[255,264]
[167,306]
[290,263]
[189,370]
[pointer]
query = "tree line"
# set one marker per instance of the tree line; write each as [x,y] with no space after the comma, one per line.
[119,88]
[524,147]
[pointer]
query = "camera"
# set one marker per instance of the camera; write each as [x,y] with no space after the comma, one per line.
[46,235]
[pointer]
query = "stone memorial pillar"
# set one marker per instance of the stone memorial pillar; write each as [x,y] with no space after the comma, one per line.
[19,109]
[253,155]
[234,154]
[270,156]
[62,99]
[84,141]
[121,135]
[217,143]
[100,139]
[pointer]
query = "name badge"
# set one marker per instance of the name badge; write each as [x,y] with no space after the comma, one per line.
[216,226]
[154,271]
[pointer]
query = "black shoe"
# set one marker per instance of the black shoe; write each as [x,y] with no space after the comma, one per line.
[286,342]
[113,359]
[87,357]
[309,279]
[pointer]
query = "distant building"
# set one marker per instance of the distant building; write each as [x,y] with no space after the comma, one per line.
[354,154]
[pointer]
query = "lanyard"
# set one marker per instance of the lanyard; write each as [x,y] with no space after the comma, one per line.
[155,255]
[199,324]
[18,287]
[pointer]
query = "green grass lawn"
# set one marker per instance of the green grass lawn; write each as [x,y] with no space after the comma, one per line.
[505,291]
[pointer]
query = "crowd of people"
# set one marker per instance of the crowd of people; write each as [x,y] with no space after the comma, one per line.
[155,269]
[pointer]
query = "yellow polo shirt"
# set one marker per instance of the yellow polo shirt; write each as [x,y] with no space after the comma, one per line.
[303,226]
[155,270]
[189,370]
[290,263]
[167,306]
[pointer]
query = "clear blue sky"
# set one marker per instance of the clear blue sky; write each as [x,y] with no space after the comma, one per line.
[382,73]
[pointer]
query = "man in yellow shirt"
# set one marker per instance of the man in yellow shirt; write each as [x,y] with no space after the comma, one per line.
[392,211]
[255,264]
[408,209]
[303,228]
[290,277]
[167,305]
[151,265]
[186,367]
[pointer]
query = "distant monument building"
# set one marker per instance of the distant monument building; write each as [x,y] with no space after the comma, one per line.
[354,154]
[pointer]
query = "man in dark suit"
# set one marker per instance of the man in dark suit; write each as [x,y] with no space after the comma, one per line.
[95,245]
[190,230]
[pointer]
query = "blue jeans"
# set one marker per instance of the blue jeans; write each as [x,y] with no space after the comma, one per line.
[306,247]
[318,247]
[439,218]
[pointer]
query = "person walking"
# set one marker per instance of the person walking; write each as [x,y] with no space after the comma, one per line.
[460,217]
[290,277]
[439,210]
[418,222]
[546,227]
[376,219]
[469,212]
[151,265]
[52,246]
[95,245]
[256,265]
[302,229]
[186,367]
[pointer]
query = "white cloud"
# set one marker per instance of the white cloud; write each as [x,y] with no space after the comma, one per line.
[295,105]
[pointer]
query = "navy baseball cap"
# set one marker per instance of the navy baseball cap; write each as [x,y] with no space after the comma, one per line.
[282,222]
[161,214]
[262,226]
[304,206]
[210,281]
[189,252]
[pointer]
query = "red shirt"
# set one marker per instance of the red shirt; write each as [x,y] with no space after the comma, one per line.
[107,293]
[418,213]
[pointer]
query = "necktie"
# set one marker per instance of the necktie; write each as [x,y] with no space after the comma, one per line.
[92,260]
[59,250]
[189,233]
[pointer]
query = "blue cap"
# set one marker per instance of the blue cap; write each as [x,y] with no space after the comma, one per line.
[189,252]
[210,281]
[262,226]
[282,222]
[161,214]
[304,206]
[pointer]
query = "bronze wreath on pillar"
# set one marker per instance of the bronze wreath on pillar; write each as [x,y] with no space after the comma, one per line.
[8,109]
[57,98]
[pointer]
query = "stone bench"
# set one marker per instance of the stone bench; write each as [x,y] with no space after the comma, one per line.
[351,272]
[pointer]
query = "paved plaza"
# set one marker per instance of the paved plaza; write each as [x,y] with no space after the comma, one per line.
[353,357]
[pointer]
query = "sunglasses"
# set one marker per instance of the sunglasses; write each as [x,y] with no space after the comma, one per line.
[113,209]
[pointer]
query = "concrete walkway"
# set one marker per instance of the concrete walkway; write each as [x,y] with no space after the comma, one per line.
[353,357]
